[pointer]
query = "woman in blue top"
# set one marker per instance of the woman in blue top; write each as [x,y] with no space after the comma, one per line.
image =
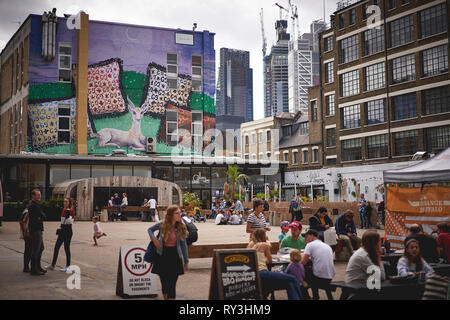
[172,255]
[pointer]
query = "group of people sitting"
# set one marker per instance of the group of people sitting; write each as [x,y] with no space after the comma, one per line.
[115,201]
[314,267]
[228,212]
[146,216]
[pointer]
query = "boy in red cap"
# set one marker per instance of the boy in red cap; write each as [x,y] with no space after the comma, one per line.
[284,230]
[295,240]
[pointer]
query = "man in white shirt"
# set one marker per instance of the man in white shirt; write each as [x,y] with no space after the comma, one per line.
[110,204]
[152,205]
[321,256]
[220,219]
[235,220]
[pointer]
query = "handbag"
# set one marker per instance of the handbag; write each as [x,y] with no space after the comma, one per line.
[151,254]
[330,236]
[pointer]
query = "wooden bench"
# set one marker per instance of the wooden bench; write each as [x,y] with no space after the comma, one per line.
[128,209]
[207,250]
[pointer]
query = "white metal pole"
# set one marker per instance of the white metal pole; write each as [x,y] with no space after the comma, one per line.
[279,200]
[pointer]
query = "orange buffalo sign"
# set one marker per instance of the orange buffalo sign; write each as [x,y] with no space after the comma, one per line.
[405,206]
[429,200]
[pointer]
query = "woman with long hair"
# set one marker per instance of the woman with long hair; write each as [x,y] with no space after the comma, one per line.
[172,256]
[271,279]
[412,263]
[64,233]
[369,255]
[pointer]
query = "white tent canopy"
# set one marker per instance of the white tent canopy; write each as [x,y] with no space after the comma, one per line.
[435,169]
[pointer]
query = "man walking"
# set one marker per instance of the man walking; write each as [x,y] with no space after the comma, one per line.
[362,211]
[152,204]
[297,208]
[36,227]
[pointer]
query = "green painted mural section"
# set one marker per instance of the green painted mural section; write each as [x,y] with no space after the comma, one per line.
[133,84]
[50,91]
[202,102]
[121,122]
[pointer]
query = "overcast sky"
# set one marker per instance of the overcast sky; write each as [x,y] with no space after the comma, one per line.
[236,23]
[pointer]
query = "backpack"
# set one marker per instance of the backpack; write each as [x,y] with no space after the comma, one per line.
[193,232]
[297,206]
[24,225]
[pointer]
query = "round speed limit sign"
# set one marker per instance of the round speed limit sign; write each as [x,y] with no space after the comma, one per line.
[133,275]
[135,264]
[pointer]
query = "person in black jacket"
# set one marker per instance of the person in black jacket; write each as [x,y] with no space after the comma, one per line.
[320,222]
[266,204]
[427,245]
[36,227]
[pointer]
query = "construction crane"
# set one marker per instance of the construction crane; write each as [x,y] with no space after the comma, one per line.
[264,46]
[281,10]
[294,18]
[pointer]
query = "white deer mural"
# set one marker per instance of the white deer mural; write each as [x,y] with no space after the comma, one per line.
[133,138]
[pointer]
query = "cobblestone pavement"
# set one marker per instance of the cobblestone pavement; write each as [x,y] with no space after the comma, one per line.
[99,264]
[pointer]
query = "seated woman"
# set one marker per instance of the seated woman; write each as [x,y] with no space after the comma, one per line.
[369,255]
[271,279]
[412,262]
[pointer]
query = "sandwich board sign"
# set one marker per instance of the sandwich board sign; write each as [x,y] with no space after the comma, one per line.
[134,277]
[235,276]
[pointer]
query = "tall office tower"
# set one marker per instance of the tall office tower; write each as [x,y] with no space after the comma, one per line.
[235,83]
[303,61]
[276,73]
[234,99]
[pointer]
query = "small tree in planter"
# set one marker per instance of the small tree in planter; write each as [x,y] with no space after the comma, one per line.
[260,195]
[191,200]
[235,179]
[274,194]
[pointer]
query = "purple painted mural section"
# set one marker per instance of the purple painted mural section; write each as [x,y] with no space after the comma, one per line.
[137,46]
[41,71]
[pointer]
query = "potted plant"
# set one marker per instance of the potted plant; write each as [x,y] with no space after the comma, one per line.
[235,179]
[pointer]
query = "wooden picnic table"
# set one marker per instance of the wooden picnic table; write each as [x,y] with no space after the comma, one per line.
[388,290]
[442,269]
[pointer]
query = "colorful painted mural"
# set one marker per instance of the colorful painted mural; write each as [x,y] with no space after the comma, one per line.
[126,102]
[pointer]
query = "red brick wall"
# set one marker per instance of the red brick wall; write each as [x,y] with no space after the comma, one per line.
[282,209]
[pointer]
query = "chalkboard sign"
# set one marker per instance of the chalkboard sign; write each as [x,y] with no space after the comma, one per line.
[235,276]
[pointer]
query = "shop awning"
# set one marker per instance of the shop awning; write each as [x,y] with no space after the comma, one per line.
[435,169]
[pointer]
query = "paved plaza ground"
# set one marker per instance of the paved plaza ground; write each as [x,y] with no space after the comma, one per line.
[99,264]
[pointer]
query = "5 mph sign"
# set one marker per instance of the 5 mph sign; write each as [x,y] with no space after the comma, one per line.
[133,275]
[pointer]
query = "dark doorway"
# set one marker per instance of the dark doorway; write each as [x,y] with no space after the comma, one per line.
[135,195]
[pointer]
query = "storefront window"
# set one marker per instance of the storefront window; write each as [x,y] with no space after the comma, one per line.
[201,177]
[164,173]
[218,176]
[80,172]
[141,171]
[182,177]
[123,171]
[59,173]
[255,180]
[102,171]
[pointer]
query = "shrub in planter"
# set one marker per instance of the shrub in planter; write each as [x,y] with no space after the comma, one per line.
[12,211]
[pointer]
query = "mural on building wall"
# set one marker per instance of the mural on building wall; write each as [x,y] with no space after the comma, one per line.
[124,105]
